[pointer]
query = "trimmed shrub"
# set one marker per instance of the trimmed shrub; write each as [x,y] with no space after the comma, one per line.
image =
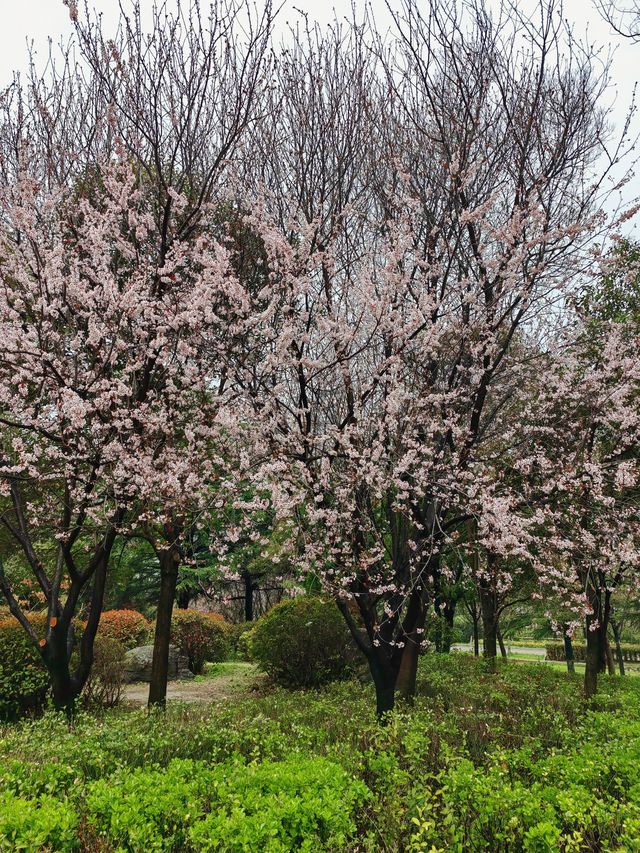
[128,627]
[303,642]
[24,681]
[555,651]
[201,637]
[104,685]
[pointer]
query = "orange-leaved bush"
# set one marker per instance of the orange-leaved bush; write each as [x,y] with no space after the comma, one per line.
[128,627]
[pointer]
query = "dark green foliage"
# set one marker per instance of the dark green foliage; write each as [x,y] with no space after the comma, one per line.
[23,679]
[303,642]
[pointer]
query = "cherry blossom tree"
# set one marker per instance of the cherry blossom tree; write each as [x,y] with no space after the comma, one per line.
[171,102]
[409,274]
[110,420]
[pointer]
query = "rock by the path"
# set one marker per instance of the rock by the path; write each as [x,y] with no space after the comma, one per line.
[137,664]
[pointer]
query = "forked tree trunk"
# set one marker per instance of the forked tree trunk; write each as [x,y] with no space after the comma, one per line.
[169,564]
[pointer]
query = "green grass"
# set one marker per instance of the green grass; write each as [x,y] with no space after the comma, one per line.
[509,761]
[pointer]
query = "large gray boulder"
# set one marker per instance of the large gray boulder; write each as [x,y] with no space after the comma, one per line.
[137,664]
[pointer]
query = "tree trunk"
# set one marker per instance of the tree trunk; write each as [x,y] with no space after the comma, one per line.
[408,665]
[568,653]
[169,564]
[57,662]
[503,650]
[489,625]
[611,667]
[183,599]
[249,589]
[596,661]
[593,659]
[384,679]
[617,640]
[476,634]
[448,615]
[408,672]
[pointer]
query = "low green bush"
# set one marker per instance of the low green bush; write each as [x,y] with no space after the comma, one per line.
[37,826]
[303,642]
[149,810]
[507,761]
[239,639]
[24,681]
[201,637]
[298,804]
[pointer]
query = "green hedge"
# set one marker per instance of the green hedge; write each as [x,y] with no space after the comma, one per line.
[555,651]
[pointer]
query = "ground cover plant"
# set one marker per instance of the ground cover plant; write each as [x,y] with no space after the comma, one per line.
[506,761]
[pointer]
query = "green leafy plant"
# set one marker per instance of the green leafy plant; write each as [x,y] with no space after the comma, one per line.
[297,804]
[37,826]
[23,679]
[303,642]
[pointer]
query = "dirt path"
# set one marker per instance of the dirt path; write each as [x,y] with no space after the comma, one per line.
[222,681]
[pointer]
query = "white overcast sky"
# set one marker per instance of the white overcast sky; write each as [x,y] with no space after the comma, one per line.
[36,21]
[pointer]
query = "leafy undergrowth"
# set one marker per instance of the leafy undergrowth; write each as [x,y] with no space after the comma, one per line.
[483,762]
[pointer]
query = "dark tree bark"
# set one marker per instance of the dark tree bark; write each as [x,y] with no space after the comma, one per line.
[568,652]
[594,658]
[169,565]
[615,627]
[488,606]
[249,589]
[597,624]
[183,599]
[503,650]
[611,667]
[410,655]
